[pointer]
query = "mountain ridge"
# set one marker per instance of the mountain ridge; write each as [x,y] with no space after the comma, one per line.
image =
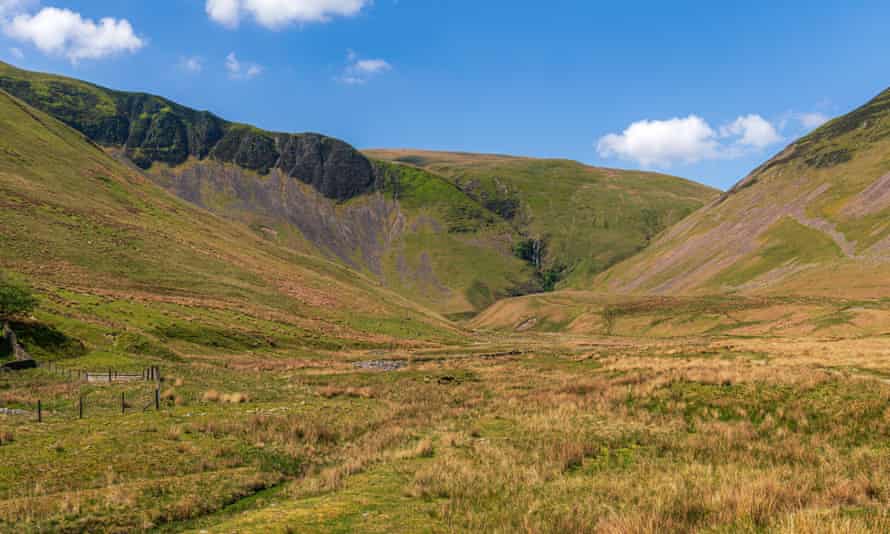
[152,129]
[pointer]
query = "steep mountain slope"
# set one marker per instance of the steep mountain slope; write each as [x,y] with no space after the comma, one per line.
[129,271]
[412,231]
[811,221]
[453,232]
[417,234]
[151,129]
[576,220]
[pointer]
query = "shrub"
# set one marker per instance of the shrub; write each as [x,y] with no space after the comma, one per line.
[16,299]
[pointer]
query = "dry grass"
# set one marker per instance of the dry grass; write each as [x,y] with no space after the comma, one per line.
[227,398]
[685,436]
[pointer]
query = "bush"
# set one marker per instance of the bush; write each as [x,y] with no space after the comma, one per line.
[15,299]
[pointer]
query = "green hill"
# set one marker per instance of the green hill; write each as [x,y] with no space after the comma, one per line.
[409,230]
[451,232]
[575,220]
[801,246]
[128,273]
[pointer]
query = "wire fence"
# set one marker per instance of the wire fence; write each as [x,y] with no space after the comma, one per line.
[109,376]
[84,394]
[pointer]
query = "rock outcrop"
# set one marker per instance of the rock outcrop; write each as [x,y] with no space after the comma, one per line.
[359,234]
[150,129]
[9,346]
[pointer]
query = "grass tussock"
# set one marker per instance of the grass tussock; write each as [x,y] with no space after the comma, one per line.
[212,395]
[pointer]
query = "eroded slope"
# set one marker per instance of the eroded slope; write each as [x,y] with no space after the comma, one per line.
[811,221]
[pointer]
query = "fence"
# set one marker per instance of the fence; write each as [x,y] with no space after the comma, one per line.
[148,374]
[81,405]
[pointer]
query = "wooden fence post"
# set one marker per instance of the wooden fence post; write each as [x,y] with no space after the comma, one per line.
[158,398]
[39,411]
[109,376]
[123,403]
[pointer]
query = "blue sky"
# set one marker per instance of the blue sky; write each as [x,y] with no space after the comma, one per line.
[705,90]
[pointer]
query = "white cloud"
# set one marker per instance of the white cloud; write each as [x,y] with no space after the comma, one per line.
[813,120]
[276,14]
[755,131]
[662,143]
[360,71]
[16,53]
[9,8]
[372,66]
[241,71]
[65,33]
[193,64]
[225,12]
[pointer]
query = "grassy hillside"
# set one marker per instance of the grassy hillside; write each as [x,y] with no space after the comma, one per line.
[576,220]
[449,240]
[587,313]
[417,234]
[453,232]
[810,221]
[122,266]
[408,229]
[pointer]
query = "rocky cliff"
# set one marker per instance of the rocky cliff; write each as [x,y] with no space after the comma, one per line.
[152,129]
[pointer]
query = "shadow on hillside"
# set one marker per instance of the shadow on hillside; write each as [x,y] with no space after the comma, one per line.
[42,341]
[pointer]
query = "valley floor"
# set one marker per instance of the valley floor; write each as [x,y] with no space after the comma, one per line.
[529,433]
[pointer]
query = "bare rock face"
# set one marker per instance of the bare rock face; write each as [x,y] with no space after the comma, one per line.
[149,129]
[9,345]
[358,233]
[330,166]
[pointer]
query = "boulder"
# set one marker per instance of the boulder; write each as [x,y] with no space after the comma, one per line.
[9,345]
